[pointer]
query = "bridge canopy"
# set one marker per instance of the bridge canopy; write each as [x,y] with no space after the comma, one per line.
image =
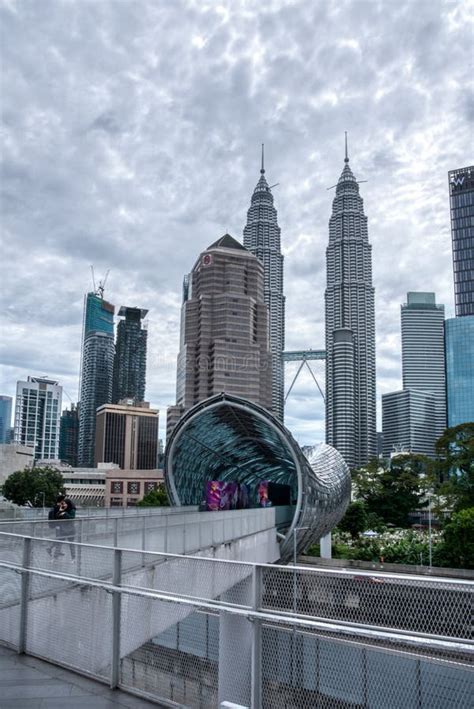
[230,439]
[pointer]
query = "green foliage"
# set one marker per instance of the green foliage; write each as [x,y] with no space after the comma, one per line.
[457,549]
[455,466]
[27,486]
[392,490]
[355,519]
[155,498]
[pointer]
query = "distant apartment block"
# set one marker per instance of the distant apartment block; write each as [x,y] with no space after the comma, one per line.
[129,375]
[97,361]
[37,416]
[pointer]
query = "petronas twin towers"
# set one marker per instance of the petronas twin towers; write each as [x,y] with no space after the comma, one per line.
[350,315]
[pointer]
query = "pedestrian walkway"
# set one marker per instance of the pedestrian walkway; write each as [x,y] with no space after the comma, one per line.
[29,683]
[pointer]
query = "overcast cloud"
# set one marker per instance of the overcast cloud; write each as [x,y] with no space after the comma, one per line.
[131,141]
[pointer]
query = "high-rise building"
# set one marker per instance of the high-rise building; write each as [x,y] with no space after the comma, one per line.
[37,416]
[97,363]
[415,417]
[130,356]
[69,436]
[461,193]
[5,418]
[423,360]
[350,327]
[459,335]
[408,420]
[127,435]
[224,344]
[262,238]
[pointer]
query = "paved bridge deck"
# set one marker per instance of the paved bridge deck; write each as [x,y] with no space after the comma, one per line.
[29,683]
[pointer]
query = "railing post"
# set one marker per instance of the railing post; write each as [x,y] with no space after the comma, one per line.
[116,617]
[143,533]
[115,519]
[25,587]
[79,549]
[256,676]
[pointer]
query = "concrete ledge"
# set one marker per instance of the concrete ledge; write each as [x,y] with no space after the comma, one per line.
[467,574]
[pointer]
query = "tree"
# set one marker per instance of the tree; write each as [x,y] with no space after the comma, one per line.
[457,547]
[35,486]
[391,491]
[155,498]
[455,465]
[355,519]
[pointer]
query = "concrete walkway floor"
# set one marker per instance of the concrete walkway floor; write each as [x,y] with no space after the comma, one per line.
[29,683]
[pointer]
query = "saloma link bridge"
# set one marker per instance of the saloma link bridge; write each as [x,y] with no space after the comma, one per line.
[189,609]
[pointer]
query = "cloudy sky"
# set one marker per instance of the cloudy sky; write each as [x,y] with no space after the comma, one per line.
[131,141]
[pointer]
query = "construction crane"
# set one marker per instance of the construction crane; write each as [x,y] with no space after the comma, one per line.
[99,290]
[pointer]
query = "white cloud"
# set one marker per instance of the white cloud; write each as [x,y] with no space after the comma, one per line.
[131,141]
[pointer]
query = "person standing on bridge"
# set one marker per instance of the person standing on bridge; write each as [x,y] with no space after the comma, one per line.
[65,530]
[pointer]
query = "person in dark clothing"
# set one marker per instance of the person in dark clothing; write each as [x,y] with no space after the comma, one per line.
[55,549]
[65,530]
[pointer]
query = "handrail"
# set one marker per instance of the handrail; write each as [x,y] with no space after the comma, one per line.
[425,641]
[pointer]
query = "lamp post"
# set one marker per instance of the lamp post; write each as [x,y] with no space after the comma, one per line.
[429,529]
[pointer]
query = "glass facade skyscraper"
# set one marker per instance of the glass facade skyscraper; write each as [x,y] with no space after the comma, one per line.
[130,356]
[5,418]
[460,369]
[97,363]
[350,327]
[461,194]
[408,420]
[262,238]
[69,436]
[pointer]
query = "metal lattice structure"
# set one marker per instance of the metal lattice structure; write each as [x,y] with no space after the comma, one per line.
[233,440]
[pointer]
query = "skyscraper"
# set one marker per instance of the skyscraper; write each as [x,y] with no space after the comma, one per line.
[224,330]
[350,327]
[459,331]
[415,417]
[130,356]
[423,360]
[127,435]
[37,416]
[69,436]
[262,238]
[96,370]
[5,418]
[461,193]
[460,369]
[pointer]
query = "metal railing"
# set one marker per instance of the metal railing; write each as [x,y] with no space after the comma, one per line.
[195,632]
[12,514]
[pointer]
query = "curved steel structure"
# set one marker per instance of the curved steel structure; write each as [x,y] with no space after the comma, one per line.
[230,439]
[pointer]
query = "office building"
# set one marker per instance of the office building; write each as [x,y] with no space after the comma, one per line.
[37,416]
[5,418]
[262,238]
[423,359]
[69,435]
[130,356]
[459,335]
[461,193]
[127,435]
[224,343]
[409,422]
[97,363]
[125,488]
[14,457]
[350,327]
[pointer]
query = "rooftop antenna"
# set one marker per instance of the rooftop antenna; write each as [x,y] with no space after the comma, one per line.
[346,159]
[262,169]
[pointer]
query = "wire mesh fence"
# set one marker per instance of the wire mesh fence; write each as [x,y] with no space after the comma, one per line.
[198,631]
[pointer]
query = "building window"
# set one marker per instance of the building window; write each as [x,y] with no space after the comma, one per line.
[133,487]
[149,486]
[116,487]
